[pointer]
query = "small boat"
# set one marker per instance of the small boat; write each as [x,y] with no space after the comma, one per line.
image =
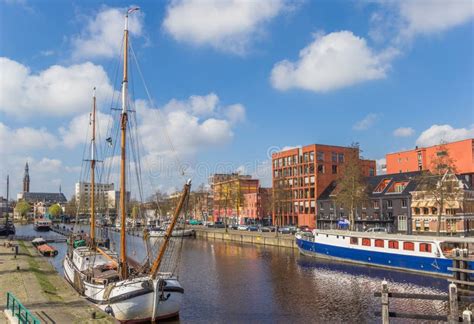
[7,229]
[430,255]
[38,241]
[42,224]
[158,232]
[47,250]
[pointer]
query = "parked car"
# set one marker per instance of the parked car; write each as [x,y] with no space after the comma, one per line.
[219,225]
[252,228]
[305,228]
[267,229]
[242,227]
[195,222]
[284,230]
[292,229]
[377,230]
[234,226]
[210,224]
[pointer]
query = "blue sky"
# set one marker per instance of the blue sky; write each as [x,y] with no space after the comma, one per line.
[233,81]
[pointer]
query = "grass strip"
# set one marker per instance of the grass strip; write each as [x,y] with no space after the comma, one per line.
[48,288]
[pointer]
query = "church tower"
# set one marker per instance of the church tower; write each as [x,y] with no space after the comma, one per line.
[26,179]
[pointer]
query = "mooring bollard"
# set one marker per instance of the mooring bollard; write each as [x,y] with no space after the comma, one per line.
[385,313]
[453,316]
[93,315]
[467,316]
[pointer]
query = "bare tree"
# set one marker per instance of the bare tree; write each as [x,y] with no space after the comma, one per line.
[351,186]
[440,184]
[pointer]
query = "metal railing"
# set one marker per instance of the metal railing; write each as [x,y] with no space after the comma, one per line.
[18,310]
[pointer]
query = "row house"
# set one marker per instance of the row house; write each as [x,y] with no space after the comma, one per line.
[457,211]
[387,206]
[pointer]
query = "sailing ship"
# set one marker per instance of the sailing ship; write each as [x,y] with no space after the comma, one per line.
[128,290]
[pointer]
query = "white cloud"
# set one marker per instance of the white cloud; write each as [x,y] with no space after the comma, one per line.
[330,62]
[235,113]
[192,125]
[403,132]
[227,25]
[25,139]
[365,123]
[57,91]
[443,133]
[102,35]
[79,129]
[426,17]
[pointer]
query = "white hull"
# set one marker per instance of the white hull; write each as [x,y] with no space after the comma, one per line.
[136,299]
[175,233]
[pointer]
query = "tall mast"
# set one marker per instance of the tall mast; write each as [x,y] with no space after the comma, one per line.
[123,127]
[92,233]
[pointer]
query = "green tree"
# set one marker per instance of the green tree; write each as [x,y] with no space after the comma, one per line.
[440,184]
[55,210]
[22,208]
[71,206]
[351,189]
[280,201]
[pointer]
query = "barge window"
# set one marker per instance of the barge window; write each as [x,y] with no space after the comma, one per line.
[409,246]
[366,241]
[379,243]
[393,245]
[425,247]
[355,240]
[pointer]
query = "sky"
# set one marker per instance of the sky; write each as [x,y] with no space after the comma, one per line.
[227,83]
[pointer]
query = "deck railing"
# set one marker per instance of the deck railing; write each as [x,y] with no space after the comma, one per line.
[18,310]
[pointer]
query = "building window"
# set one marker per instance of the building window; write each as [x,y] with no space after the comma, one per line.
[320,168]
[389,204]
[366,241]
[334,157]
[320,156]
[376,204]
[334,169]
[321,206]
[379,243]
[355,240]
[371,172]
[393,245]
[341,157]
[425,247]
[409,246]
[404,203]
[311,156]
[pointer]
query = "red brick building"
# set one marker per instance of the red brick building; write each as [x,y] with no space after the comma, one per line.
[462,152]
[300,175]
[257,206]
[229,192]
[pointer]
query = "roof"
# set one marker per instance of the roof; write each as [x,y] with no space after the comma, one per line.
[373,182]
[54,197]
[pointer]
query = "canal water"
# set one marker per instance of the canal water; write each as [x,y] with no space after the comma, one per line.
[232,282]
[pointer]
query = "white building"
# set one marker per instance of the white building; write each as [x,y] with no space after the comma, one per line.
[83,190]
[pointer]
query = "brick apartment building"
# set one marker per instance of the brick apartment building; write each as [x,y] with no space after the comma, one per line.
[300,175]
[462,152]
[257,207]
[229,191]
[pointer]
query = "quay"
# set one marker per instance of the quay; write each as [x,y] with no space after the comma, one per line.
[40,289]
[271,239]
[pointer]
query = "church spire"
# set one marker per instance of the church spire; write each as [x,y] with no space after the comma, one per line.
[26,179]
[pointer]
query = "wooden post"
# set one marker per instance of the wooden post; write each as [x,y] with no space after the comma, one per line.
[453,316]
[467,316]
[385,314]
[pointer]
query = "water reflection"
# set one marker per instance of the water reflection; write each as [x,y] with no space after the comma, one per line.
[234,282]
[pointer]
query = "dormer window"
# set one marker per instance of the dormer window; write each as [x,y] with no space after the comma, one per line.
[397,187]
[382,185]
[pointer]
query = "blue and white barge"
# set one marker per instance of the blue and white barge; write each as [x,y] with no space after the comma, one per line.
[423,254]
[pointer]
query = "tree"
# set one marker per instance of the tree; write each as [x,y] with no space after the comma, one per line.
[440,184]
[22,208]
[71,206]
[55,210]
[280,201]
[351,187]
